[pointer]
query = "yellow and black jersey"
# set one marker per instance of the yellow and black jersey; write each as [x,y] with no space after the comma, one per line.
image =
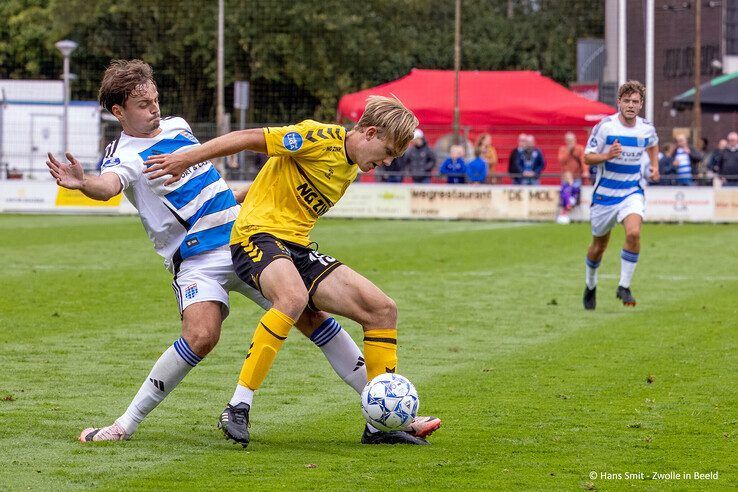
[308,171]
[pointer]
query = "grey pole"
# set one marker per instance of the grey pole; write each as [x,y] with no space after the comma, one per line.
[66,47]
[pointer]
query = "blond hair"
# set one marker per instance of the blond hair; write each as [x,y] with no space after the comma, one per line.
[632,87]
[391,118]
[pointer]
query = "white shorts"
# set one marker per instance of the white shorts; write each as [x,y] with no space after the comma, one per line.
[604,217]
[210,276]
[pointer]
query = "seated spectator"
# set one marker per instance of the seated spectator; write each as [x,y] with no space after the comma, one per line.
[453,167]
[571,159]
[667,172]
[419,158]
[727,161]
[569,196]
[486,151]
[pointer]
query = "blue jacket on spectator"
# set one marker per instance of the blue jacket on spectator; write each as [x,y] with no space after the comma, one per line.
[455,170]
[476,170]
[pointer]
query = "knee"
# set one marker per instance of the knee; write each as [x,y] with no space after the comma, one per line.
[202,339]
[633,237]
[291,301]
[384,313]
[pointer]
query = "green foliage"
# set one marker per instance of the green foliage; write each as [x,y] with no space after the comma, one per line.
[299,57]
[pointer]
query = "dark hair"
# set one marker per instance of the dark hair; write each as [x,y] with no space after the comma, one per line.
[632,87]
[121,79]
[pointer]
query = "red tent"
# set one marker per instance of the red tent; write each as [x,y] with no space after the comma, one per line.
[501,103]
[489,99]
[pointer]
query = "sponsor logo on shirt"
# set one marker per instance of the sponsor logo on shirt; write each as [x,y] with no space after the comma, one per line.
[292,141]
[312,198]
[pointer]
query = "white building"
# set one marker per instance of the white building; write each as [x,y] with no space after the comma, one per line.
[31,124]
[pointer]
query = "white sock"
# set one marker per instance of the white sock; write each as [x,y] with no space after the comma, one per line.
[342,353]
[242,395]
[590,275]
[628,262]
[168,371]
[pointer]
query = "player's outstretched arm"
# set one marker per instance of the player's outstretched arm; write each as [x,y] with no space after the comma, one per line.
[71,176]
[228,144]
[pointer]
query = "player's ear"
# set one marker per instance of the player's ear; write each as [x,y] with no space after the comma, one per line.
[371,132]
[117,111]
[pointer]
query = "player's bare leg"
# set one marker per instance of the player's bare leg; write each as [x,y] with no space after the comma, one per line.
[201,323]
[592,261]
[629,257]
[347,293]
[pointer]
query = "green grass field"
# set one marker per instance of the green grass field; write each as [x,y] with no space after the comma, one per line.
[534,392]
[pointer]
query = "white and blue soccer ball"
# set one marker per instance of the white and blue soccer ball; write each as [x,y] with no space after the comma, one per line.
[389,402]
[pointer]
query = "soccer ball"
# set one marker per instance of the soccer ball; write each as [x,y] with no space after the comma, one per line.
[389,402]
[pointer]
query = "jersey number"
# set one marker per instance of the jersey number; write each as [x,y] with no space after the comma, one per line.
[323,259]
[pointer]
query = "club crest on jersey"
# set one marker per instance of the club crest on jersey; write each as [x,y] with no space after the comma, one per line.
[113,161]
[292,141]
[641,142]
[190,291]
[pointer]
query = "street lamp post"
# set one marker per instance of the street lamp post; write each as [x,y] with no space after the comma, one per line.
[66,47]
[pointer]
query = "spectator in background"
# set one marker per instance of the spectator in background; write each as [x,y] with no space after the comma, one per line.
[487,152]
[571,160]
[476,169]
[392,173]
[419,159]
[453,167]
[667,172]
[568,196]
[683,157]
[515,161]
[727,161]
[533,162]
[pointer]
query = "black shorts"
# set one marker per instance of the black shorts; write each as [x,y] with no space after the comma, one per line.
[262,249]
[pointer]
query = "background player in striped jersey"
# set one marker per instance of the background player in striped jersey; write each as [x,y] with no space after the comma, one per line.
[310,167]
[616,146]
[189,224]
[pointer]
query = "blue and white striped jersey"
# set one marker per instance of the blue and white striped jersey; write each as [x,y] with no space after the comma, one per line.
[186,218]
[622,176]
[683,163]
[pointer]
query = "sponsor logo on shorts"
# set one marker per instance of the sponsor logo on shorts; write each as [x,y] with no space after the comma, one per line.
[292,141]
[192,242]
[190,291]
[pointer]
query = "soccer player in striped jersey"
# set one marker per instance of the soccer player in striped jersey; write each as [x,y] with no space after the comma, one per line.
[189,224]
[310,167]
[617,145]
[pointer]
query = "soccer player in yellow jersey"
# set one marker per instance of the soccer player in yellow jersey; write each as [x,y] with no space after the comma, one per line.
[310,166]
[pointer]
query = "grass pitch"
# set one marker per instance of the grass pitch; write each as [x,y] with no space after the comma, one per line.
[535,393]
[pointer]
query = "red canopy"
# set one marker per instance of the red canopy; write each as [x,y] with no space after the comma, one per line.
[522,98]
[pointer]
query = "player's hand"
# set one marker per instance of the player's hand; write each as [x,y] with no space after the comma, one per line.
[166,164]
[615,150]
[655,176]
[70,176]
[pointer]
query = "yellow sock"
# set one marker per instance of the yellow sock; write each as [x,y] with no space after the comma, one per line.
[268,339]
[380,351]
